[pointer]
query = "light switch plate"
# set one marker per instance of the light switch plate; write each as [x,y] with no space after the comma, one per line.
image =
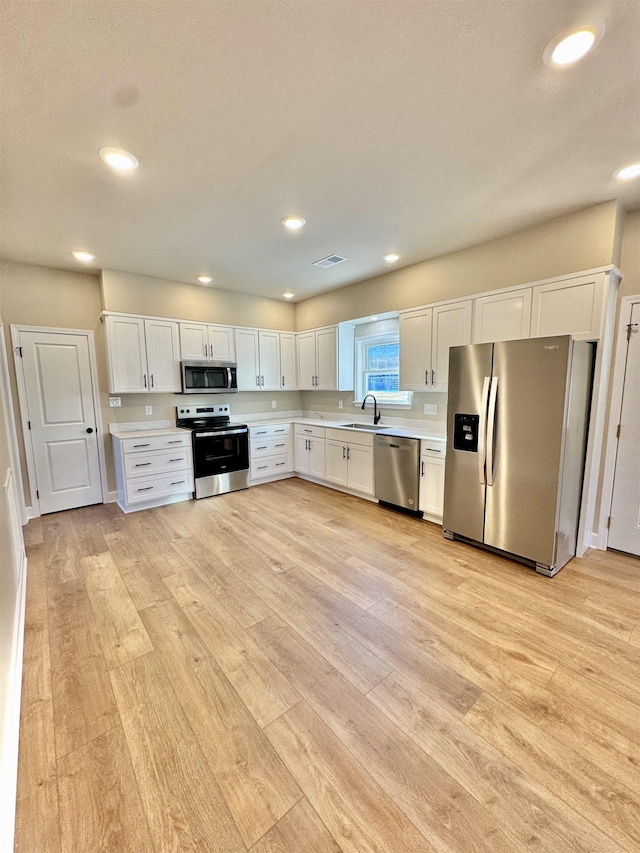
[273,404]
[148,410]
[430,408]
[115,402]
[340,404]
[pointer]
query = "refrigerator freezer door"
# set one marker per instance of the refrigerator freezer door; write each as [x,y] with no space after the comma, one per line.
[464,494]
[528,433]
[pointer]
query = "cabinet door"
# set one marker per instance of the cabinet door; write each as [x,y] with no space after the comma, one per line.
[432,486]
[360,472]
[302,454]
[415,350]
[317,458]
[194,340]
[502,317]
[126,355]
[288,381]
[247,358]
[222,343]
[336,462]
[451,328]
[163,355]
[327,359]
[573,307]
[269,344]
[306,350]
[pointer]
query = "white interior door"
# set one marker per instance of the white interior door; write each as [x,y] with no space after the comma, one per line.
[624,529]
[61,414]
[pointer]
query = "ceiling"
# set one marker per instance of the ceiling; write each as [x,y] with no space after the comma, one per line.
[413,127]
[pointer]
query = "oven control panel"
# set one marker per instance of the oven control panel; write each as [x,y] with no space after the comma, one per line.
[203,411]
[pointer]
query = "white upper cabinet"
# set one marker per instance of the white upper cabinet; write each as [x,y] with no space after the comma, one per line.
[415,349]
[142,355]
[451,328]
[288,380]
[204,340]
[326,358]
[269,353]
[426,335]
[163,355]
[502,316]
[574,306]
[248,359]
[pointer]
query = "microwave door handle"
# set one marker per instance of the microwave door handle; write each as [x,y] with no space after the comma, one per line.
[229,377]
[482,432]
[491,430]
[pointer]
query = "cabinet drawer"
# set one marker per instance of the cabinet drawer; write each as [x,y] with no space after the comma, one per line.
[269,446]
[310,431]
[157,462]
[269,431]
[156,442]
[351,436]
[436,448]
[271,466]
[147,488]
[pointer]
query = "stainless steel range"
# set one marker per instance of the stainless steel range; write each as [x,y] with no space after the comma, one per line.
[220,449]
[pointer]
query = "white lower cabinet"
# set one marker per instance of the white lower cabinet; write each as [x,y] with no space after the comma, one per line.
[349,460]
[310,450]
[431,498]
[153,468]
[270,452]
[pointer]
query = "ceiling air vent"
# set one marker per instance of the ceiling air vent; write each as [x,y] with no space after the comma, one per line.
[331,261]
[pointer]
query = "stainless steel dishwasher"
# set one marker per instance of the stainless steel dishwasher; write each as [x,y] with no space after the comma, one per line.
[397,471]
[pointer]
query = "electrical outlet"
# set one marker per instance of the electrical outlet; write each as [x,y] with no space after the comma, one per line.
[115,402]
[148,410]
[430,409]
[274,405]
[340,404]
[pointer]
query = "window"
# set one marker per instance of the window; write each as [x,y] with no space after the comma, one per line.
[377,370]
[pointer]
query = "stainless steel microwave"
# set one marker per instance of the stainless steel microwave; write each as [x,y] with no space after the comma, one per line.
[209,377]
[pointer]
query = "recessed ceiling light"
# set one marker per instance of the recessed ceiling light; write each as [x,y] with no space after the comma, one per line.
[288,294]
[572,44]
[85,257]
[628,172]
[119,159]
[205,279]
[391,258]
[373,318]
[294,223]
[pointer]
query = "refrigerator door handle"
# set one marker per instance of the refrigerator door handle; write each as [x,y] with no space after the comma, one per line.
[482,432]
[491,428]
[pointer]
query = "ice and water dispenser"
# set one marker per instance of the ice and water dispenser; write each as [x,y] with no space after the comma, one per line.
[465,432]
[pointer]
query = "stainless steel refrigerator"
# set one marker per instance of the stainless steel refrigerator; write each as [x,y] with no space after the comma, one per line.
[517,420]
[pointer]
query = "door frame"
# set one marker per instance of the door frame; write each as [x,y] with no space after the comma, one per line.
[601,536]
[34,510]
[11,424]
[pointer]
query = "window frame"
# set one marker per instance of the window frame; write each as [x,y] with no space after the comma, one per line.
[363,344]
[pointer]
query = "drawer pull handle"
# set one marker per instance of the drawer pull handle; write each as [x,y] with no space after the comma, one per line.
[283,444]
[264,447]
[434,450]
[177,482]
[178,441]
[262,432]
[143,445]
[278,430]
[262,467]
[142,464]
[308,430]
[176,460]
[278,464]
[146,489]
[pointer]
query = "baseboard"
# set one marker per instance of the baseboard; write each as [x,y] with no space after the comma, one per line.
[30,512]
[112,497]
[9,755]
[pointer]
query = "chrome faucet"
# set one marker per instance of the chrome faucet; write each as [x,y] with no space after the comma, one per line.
[376,413]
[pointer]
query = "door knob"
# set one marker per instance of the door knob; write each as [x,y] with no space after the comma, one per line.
[89,429]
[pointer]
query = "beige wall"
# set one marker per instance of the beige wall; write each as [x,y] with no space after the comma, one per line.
[139,294]
[579,241]
[630,255]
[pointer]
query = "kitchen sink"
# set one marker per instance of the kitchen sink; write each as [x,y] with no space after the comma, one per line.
[371,427]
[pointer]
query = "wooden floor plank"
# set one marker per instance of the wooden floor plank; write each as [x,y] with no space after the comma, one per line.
[143,583]
[262,687]
[182,803]
[100,806]
[121,632]
[257,787]
[300,829]
[331,778]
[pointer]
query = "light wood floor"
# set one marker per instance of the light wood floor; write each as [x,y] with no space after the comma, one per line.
[292,669]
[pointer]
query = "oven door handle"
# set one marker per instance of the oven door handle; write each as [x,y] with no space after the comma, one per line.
[220,433]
